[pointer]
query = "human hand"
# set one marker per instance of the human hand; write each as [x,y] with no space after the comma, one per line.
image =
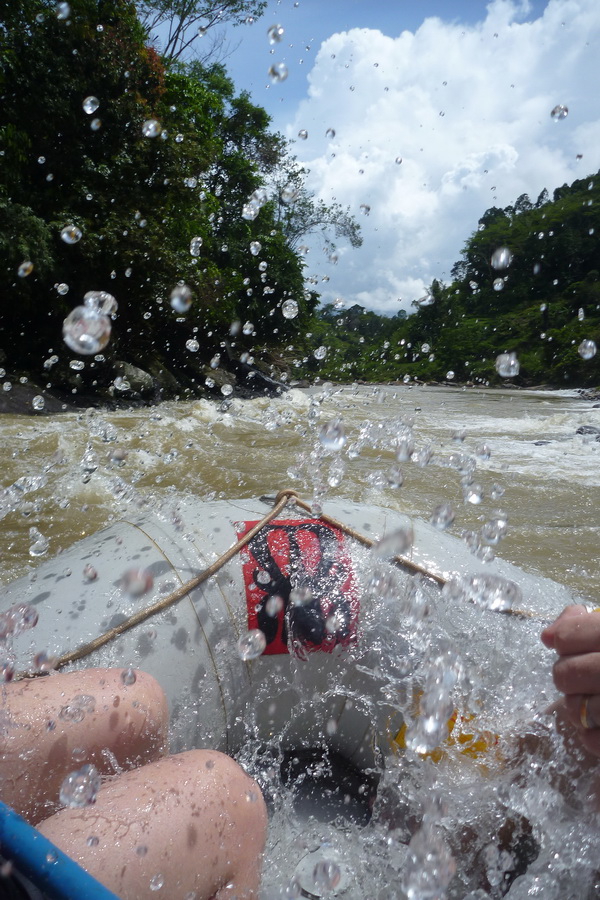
[575,636]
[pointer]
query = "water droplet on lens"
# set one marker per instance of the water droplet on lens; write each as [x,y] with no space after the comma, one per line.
[100,302]
[442,516]
[195,246]
[40,543]
[25,269]
[507,365]
[156,882]
[151,128]
[587,349]
[63,11]
[192,345]
[275,33]
[278,73]
[90,105]
[80,788]
[487,591]
[251,645]
[303,134]
[92,841]
[128,676]
[326,876]
[181,298]
[38,402]
[330,133]
[86,331]
[450,375]
[365,209]
[248,328]
[137,582]
[274,605]
[289,193]
[89,573]
[289,309]
[501,258]
[398,160]
[473,493]
[71,234]
[332,435]
[395,544]
[255,248]
[250,210]
[301,596]
[395,477]
[320,353]
[498,284]
[43,662]
[7,671]
[559,112]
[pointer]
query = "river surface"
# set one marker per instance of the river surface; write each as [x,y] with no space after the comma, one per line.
[540,472]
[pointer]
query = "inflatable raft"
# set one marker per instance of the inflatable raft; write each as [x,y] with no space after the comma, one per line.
[147,593]
[260,620]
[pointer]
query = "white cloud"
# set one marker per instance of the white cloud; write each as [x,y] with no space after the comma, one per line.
[467,109]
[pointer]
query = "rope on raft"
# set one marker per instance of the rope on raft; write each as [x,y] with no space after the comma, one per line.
[281,501]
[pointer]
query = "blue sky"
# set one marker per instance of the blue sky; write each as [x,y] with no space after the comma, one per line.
[440,109]
[308,23]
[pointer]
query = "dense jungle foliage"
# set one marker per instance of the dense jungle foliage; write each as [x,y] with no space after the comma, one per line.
[144,156]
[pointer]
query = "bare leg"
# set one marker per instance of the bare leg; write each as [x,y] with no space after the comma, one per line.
[191,825]
[47,731]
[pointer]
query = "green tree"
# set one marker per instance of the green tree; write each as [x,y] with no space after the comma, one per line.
[299,215]
[138,200]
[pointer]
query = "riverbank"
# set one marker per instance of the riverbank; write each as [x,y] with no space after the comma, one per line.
[23,398]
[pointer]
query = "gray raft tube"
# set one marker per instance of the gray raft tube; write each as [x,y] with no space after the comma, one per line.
[217,699]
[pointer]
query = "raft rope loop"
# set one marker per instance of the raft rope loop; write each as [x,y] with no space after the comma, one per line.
[282,499]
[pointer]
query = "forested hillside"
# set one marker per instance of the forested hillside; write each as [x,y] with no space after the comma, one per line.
[528,283]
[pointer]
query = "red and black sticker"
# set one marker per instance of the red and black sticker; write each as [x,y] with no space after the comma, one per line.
[308,560]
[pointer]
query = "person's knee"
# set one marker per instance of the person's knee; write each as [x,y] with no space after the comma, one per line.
[146,693]
[138,714]
[241,794]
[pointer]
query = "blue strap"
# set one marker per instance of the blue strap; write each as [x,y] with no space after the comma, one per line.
[47,867]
